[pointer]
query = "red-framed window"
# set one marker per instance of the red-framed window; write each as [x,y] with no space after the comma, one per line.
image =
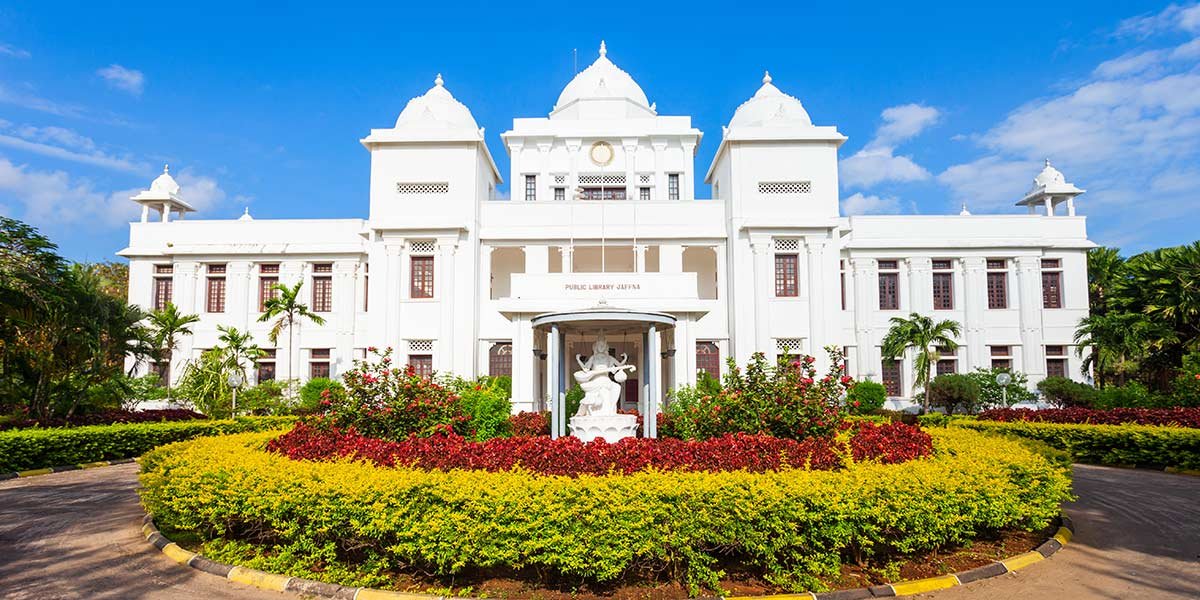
[708,358]
[787,276]
[422,277]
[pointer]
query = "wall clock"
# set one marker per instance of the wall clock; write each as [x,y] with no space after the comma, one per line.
[601,154]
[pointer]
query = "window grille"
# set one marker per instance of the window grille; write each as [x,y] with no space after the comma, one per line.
[786,244]
[943,291]
[162,292]
[560,179]
[644,194]
[560,194]
[672,186]
[500,359]
[645,178]
[424,247]
[997,283]
[784,187]
[435,187]
[268,268]
[1051,283]
[266,291]
[422,364]
[322,294]
[530,188]
[215,296]
[420,345]
[603,179]
[791,346]
[708,359]
[216,269]
[890,373]
[322,267]
[164,269]
[1001,357]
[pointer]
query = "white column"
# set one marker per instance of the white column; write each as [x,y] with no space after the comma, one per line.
[292,272]
[763,287]
[814,248]
[686,191]
[1070,206]
[655,380]
[630,148]
[444,280]
[553,354]
[920,284]
[1029,305]
[639,258]
[568,258]
[1049,202]
[722,275]
[659,193]
[865,286]
[974,294]
[238,306]
[523,372]
[342,319]
[145,213]
[389,298]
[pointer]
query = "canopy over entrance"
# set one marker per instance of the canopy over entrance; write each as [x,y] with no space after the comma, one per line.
[645,326]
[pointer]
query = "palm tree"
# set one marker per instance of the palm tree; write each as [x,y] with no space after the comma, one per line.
[1117,344]
[1105,269]
[926,337]
[168,324]
[287,307]
[238,346]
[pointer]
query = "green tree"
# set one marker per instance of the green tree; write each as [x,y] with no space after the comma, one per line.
[287,310]
[168,325]
[1106,268]
[954,392]
[925,336]
[1114,345]
[992,394]
[114,277]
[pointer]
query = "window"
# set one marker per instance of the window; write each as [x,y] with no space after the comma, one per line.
[787,282]
[890,373]
[366,286]
[1051,283]
[560,194]
[997,283]
[841,267]
[602,193]
[947,362]
[644,194]
[500,359]
[1056,361]
[162,292]
[322,291]
[530,188]
[672,186]
[318,363]
[1001,357]
[943,285]
[215,294]
[265,366]
[422,277]
[268,278]
[889,285]
[422,364]
[708,359]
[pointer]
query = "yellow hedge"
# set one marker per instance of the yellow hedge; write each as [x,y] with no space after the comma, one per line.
[793,526]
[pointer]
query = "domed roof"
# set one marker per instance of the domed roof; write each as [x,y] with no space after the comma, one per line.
[164,183]
[1047,178]
[437,108]
[603,80]
[769,106]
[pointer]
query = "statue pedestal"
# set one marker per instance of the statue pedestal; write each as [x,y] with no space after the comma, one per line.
[610,427]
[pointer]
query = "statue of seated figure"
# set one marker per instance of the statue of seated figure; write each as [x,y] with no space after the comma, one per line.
[601,377]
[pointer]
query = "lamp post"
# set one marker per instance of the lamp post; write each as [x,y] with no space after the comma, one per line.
[236,379]
[1003,379]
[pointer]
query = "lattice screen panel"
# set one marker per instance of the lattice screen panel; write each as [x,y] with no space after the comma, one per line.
[787,245]
[436,187]
[784,187]
[421,247]
[791,346]
[420,346]
[607,179]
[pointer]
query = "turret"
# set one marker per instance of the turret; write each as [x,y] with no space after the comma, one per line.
[1049,190]
[164,197]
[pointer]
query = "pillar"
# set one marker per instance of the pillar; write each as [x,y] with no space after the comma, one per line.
[392,291]
[815,250]
[655,379]
[1029,305]
[344,309]
[639,258]
[763,287]
[523,371]
[553,358]
[974,296]
[568,258]
[865,286]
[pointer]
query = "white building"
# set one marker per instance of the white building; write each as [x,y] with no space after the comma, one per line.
[603,232]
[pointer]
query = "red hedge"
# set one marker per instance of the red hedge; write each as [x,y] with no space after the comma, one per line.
[109,417]
[569,456]
[1175,417]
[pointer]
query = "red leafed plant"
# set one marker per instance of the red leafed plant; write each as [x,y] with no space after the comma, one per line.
[570,457]
[1175,417]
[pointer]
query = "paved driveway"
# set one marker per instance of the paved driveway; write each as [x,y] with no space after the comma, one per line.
[77,535]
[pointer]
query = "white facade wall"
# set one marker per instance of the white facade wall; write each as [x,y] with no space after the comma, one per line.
[710,263]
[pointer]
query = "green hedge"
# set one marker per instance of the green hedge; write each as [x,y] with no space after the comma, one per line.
[23,449]
[1141,445]
[792,527]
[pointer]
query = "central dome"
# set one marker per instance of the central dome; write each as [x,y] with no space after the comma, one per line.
[436,109]
[603,81]
[769,107]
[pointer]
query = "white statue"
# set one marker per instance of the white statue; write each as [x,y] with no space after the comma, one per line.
[601,377]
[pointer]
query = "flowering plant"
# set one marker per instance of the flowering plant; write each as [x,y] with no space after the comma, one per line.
[788,400]
[385,401]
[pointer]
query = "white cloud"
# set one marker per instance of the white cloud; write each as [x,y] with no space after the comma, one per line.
[34,102]
[124,79]
[877,161]
[65,144]
[13,51]
[56,198]
[1173,17]
[860,204]
[990,183]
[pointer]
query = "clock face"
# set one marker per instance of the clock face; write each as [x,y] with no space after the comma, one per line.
[601,153]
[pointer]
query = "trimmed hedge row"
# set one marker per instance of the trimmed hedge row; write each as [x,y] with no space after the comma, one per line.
[23,449]
[792,527]
[1141,445]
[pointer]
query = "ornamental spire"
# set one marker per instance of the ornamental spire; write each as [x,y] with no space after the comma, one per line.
[766,77]
[438,80]
[603,49]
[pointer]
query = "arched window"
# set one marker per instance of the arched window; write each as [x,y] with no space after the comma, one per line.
[500,359]
[708,359]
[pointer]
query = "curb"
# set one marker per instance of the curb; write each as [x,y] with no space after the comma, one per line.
[284,583]
[60,469]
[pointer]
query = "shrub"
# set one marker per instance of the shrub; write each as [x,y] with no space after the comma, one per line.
[37,448]
[569,456]
[1140,445]
[791,527]
[486,404]
[109,417]
[954,392]
[529,424]
[317,389]
[1130,395]
[1179,417]
[1185,388]
[268,398]
[1065,393]
[386,402]
[785,400]
[865,397]
[992,394]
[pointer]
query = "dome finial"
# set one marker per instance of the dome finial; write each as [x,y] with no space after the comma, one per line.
[166,168]
[964,212]
[438,80]
[766,77]
[1047,162]
[603,49]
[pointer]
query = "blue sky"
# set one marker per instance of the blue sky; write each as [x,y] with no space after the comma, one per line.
[263,107]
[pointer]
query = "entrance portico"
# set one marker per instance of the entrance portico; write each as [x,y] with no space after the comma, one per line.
[638,334]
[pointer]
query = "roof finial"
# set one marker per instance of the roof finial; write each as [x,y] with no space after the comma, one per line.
[438,80]
[246,211]
[603,49]
[964,212]
[1047,162]
[166,168]
[766,77]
